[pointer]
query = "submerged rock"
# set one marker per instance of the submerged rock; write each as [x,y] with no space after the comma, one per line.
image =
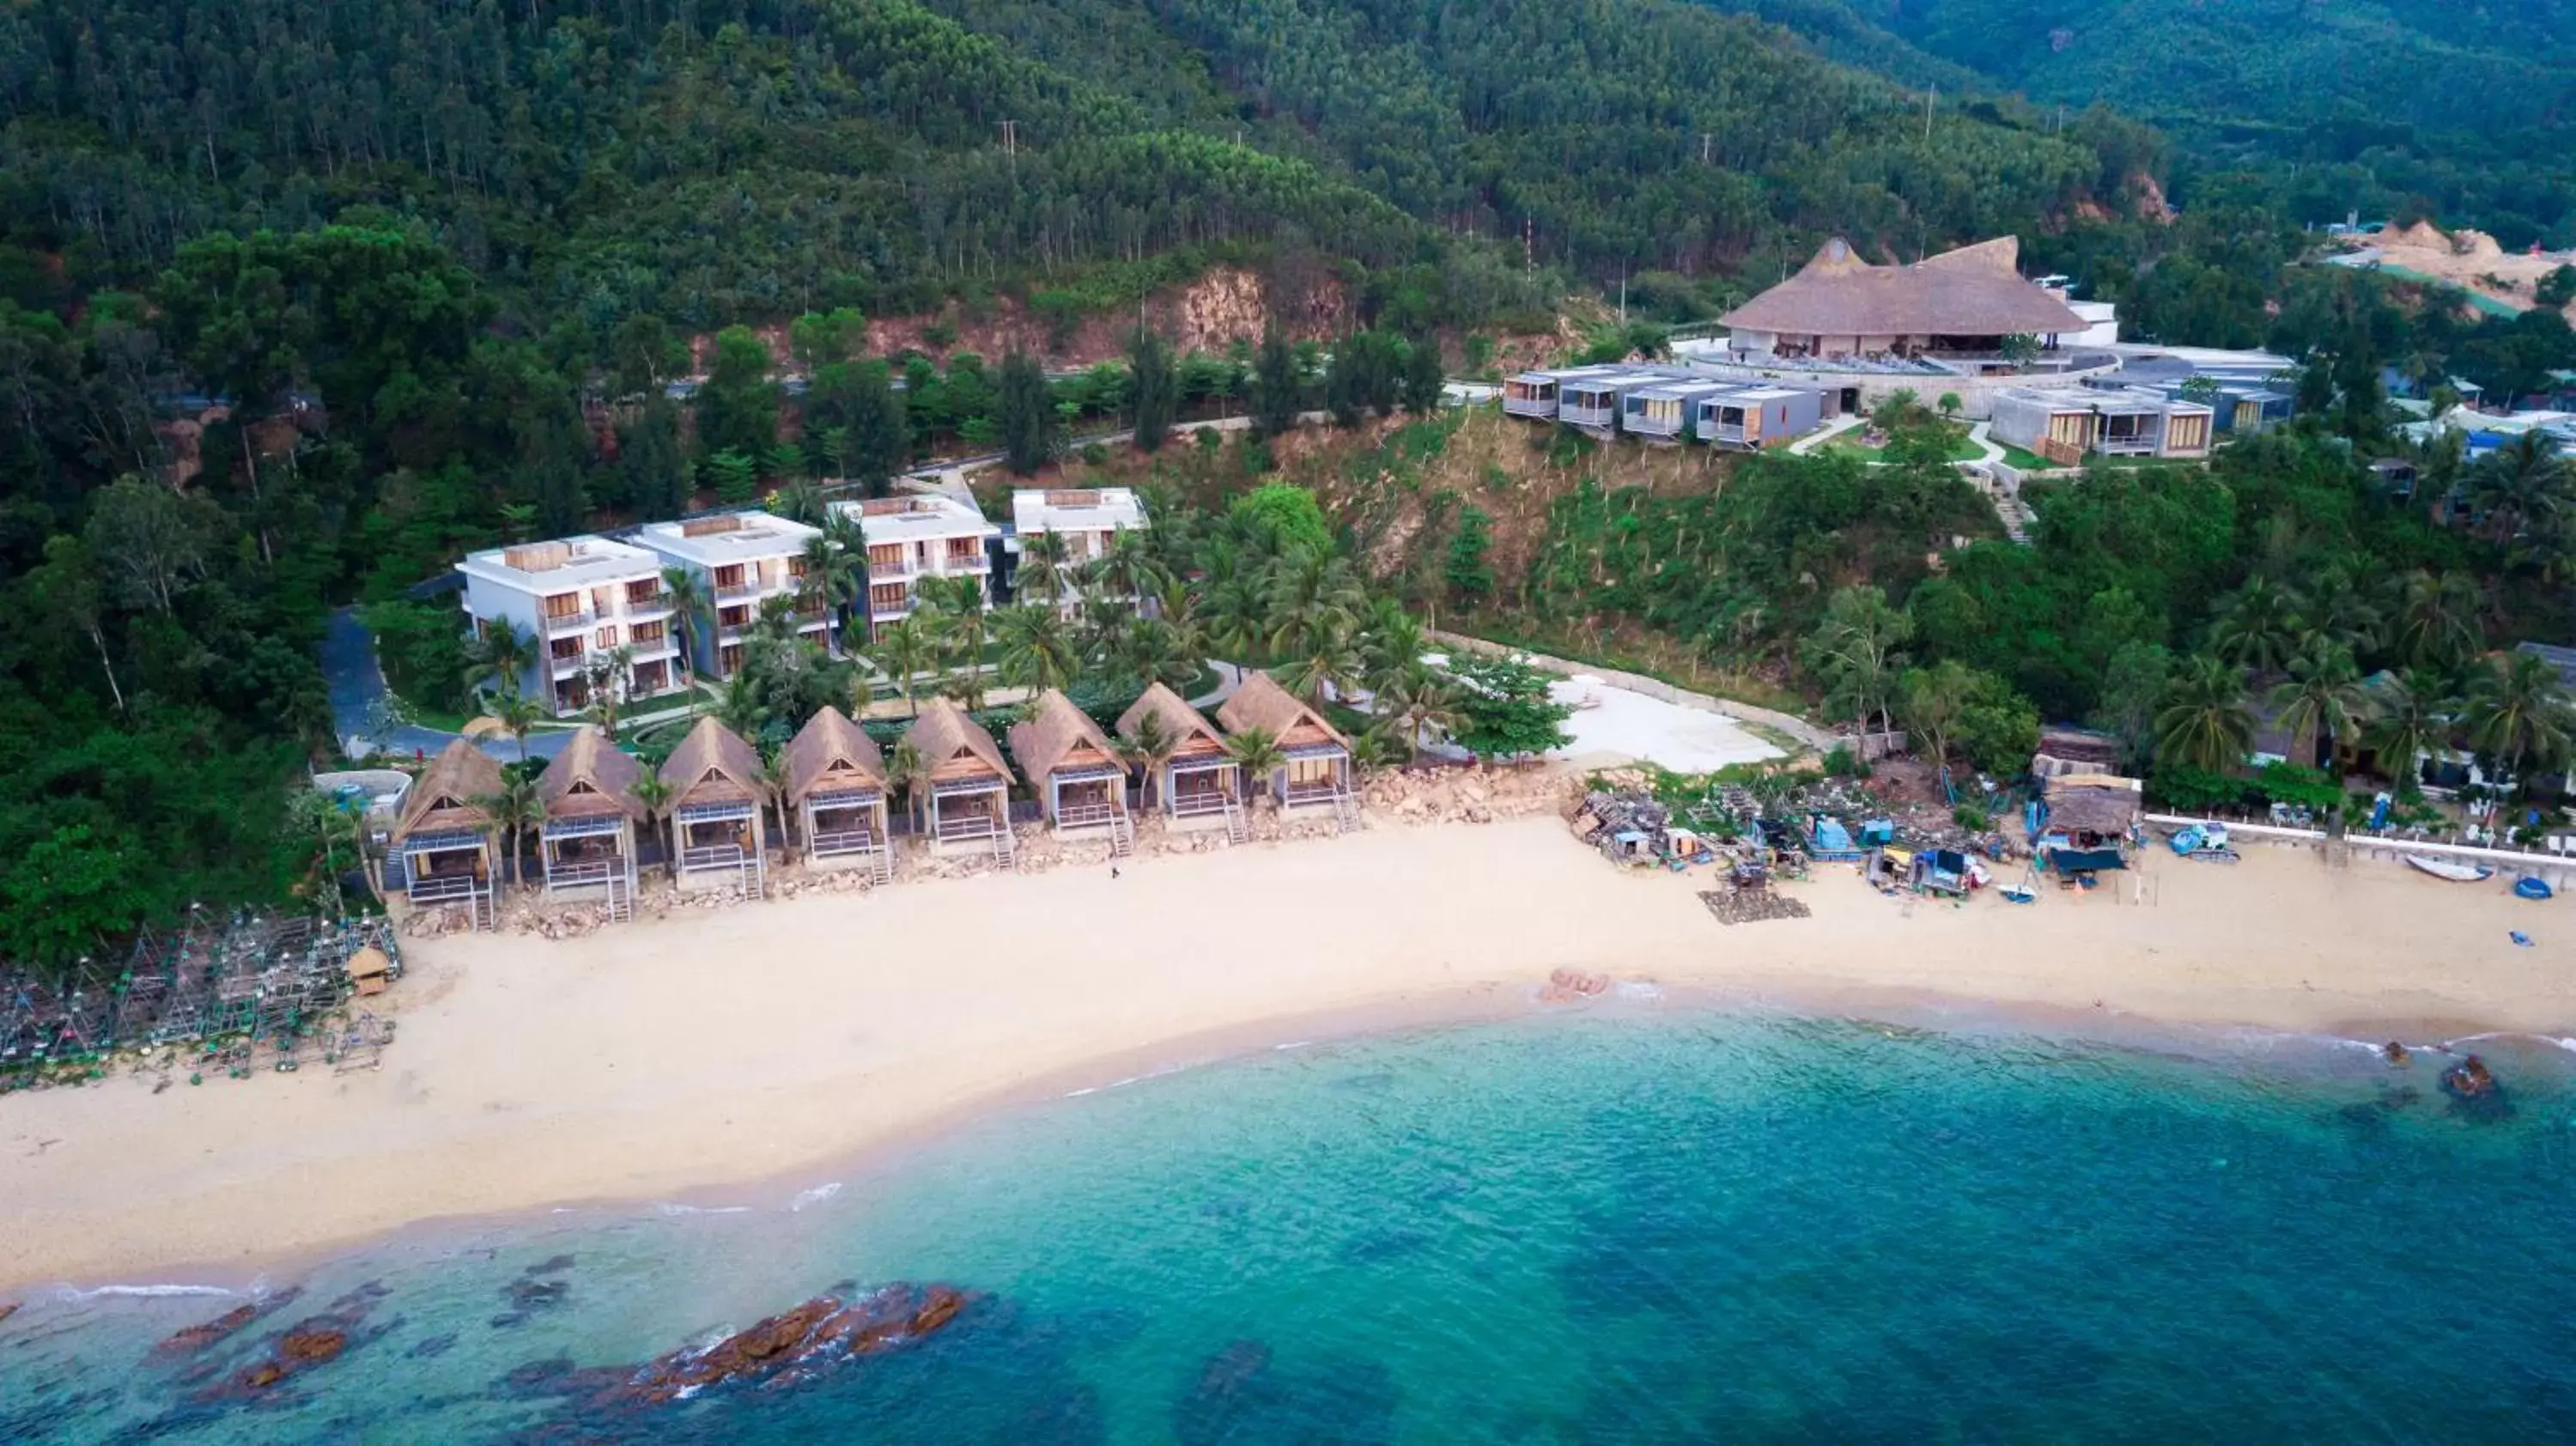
[2470,1079]
[1564,986]
[8,1308]
[784,1350]
[2395,1054]
[196,1338]
[314,1341]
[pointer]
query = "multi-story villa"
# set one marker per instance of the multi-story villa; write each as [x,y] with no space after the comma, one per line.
[1088,519]
[741,560]
[913,537]
[580,599]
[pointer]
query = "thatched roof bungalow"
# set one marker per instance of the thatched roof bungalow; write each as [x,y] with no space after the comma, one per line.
[588,839]
[2093,807]
[963,775]
[836,784]
[1080,776]
[1315,759]
[719,825]
[444,836]
[1197,782]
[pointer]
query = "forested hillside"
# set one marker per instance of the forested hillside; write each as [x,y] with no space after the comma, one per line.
[2411,107]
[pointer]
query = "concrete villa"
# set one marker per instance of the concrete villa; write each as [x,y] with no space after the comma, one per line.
[2066,425]
[917,536]
[1087,519]
[742,560]
[582,599]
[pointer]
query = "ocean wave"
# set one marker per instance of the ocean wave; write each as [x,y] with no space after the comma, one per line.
[816,1195]
[666,1207]
[97,1291]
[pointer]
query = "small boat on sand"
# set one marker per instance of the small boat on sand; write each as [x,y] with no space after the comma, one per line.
[2455,873]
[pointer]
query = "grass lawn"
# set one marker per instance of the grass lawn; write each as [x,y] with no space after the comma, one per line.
[1962,449]
[1202,685]
[2021,461]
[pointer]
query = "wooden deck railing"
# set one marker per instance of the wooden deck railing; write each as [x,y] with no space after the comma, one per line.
[844,841]
[712,856]
[435,888]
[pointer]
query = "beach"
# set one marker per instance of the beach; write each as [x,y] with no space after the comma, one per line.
[716,1046]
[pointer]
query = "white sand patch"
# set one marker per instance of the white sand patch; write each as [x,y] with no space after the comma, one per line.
[1622,726]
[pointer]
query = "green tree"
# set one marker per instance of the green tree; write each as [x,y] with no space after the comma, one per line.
[1257,755]
[1504,708]
[2414,718]
[738,403]
[2204,723]
[1933,701]
[1469,576]
[904,650]
[1037,648]
[1424,380]
[2322,699]
[1156,388]
[1278,394]
[1024,415]
[657,475]
[2517,713]
[1858,653]
[69,892]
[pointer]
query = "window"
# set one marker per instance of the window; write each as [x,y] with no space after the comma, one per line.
[647,635]
[604,638]
[729,576]
[888,597]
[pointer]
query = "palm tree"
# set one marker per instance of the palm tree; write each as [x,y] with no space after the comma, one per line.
[2205,723]
[1312,593]
[1150,650]
[1417,699]
[515,809]
[656,797]
[2517,712]
[2414,718]
[1328,658]
[1256,753]
[956,607]
[836,574]
[906,775]
[1150,748]
[1390,642]
[2519,484]
[609,678]
[1037,647]
[1237,615]
[742,708]
[2323,697]
[905,649]
[1044,567]
[500,657]
[2436,619]
[2257,626]
[2339,609]
[691,608]
[1127,570]
[799,501]
[519,715]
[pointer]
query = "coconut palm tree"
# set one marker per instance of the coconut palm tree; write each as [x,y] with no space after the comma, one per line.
[906,776]
[2435,621]
[904,649]
[692,608]
[958,621]
[609,676]
[1312,593]
[1390,642]
[515,809]
[2323,698]
[1127,570]
[1257,755]
[1037,647]
[2414,718]
[2257,626]
[835,575]
[2339,609]
[1237,618]
[1416,699]
[1150,748]
[2520,484]
[741,707]
[2517,712]
[1327,659]
[1045,567]
[2204,723]
[519,715]
[500,657]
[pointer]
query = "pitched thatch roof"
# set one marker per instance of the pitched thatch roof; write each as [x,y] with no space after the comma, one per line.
[1183,724]
[952,745]
[592,779]
[1056,735]
[712,765]
[442,800]
[1973,291]
[2103,810]
[831,751]
[1262,703]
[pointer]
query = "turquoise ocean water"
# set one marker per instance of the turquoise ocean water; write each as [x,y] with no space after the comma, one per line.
[1662,1224]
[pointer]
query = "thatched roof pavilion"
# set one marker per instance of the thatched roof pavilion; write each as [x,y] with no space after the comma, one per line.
[1077,771]
[1315,760]
[1199,779]
[963,772]
[444,837]
[446,798]
[1840,303]
[588,839]
[717,787]
[2095,804]
[836,783]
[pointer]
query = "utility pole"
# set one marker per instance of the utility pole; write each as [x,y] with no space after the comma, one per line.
[1011,139]
[1705,140]
[1928,97]
[1529,250]
[1623,295]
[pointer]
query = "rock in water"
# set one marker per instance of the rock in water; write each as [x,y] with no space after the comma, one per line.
[2470,1079]
[2395,1054]
[786,1349]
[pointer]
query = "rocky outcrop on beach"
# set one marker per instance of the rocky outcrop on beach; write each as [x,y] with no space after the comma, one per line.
[196,1338]
[8,1308]
[312,1342]
[785,1350]
[1566,986]
[1476,793]
[433,922]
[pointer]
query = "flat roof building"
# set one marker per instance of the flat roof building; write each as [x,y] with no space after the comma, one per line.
[919,535]
[581,600]
[741,560]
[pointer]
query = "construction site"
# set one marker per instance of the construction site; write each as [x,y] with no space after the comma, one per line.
[224,997]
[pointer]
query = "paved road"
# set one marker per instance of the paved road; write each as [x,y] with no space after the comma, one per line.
[349,668]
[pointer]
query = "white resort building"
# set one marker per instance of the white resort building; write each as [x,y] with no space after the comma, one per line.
[917,536]
[580,599]
[741,560]
[1088,519]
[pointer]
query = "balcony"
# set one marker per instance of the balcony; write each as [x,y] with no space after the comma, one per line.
[955,562]
[559,623]
[733,591]
[665,646]
[565,665]
[658,605]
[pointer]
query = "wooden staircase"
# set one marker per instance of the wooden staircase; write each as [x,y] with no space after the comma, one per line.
[1122,834]
[881,865]
[1238,826]
[1006,848]
[1346,811]
[621,898]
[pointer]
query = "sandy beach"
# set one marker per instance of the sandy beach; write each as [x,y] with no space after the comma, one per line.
[715,1046]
